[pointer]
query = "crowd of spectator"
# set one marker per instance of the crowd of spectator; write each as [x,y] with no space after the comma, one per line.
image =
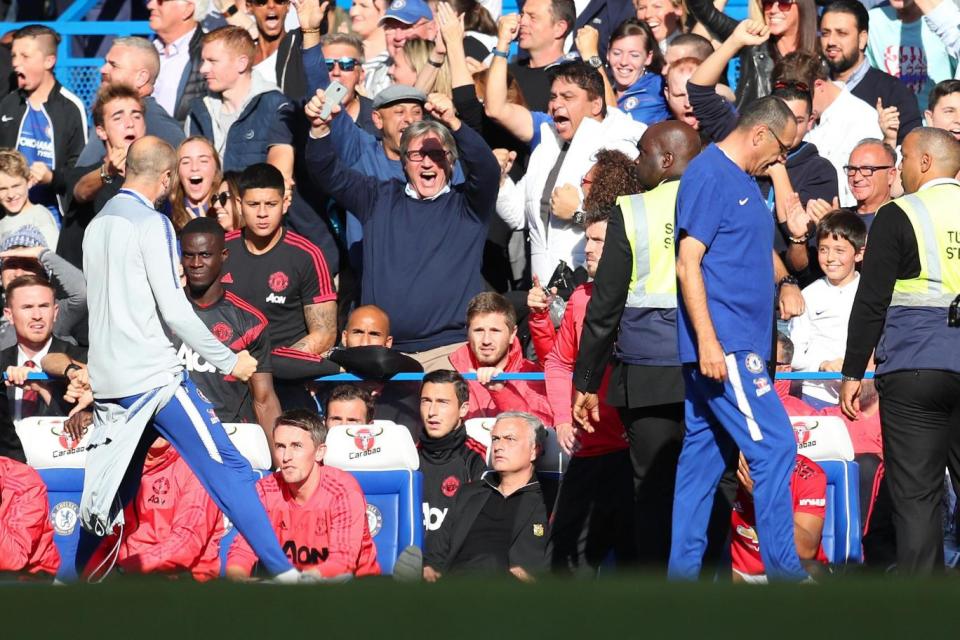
[423,186]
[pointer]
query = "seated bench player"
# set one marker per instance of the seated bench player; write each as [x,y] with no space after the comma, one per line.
[318,512]
[26,533]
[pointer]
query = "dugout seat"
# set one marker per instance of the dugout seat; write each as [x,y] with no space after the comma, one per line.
[841,527]
[251,442]
[822,438]
[384,460]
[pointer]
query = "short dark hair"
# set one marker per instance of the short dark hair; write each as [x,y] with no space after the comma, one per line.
[565,10]
[24,264]
[800,66]
[309,421]
[204,225]
[854,8]
[260,176]
[584,76]
[941,90]
[634,27]
[28,280]
[784,341]
[790,90]
[447,376]
[700,45]
[491,302]
[768,110]
[47,35]
[110,92]
[843,225]
[348,392]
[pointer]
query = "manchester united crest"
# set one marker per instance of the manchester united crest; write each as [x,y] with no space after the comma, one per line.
[278,282]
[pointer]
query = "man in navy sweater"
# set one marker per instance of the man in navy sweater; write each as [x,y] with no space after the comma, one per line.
[423,240]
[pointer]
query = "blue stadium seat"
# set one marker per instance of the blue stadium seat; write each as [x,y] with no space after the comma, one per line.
[394,511]
[842,528]
[64,488]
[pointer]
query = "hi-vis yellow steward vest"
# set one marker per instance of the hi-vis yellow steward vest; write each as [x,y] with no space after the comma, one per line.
[649,222]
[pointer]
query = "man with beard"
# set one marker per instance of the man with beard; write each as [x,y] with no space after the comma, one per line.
[843,39]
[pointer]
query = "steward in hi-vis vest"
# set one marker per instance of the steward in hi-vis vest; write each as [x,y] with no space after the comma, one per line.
[906,308]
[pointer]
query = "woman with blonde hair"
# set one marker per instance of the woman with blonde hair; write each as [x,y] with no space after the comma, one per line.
[199,175]
[417,65]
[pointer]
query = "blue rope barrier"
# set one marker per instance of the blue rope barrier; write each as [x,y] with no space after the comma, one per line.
[533,376]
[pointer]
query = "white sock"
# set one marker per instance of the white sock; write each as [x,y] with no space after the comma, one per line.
[290,576]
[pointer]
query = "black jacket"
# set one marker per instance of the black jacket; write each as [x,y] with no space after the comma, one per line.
[58,406]
[447,464]
[756,63]
[69,118]
[192,85]
[291,77]
[877,84]
[604,16]
[530,535]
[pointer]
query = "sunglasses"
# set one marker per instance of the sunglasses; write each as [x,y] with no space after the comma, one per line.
[263,3]
[437,155]
[783,5]
[345,64]
[219,198]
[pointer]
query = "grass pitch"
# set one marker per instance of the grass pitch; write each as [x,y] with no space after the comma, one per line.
[619,607]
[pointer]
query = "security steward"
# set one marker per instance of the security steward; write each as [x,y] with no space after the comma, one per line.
[635,289]
[907,307]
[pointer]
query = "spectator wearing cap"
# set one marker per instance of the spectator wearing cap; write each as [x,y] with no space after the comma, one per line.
[24,252]
[134,61]
[179,42]
[246,117]
[423,238]
[407,20]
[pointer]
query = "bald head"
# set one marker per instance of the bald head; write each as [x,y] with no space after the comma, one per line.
[367,325]
[149,157]
[664,151]
[928,153]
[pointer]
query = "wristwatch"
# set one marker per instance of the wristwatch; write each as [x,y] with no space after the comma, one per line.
[844,378]
[788,280]
[231,11]
[579,217]
[105,177]
[71,367]
[595,62]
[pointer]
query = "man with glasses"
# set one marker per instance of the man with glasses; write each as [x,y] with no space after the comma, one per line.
[871,175]
[178,41]
[423,238]
[725,232]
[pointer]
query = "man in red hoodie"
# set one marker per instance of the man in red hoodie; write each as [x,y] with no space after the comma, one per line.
[594,510]
[493,348]
[26,534]
[318,512]
[173,526]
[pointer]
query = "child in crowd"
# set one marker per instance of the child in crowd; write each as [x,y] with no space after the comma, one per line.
[819,335]
[18,211]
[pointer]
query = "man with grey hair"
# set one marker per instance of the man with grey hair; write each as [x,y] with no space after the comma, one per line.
[134,61]
[423,240]
[499,523]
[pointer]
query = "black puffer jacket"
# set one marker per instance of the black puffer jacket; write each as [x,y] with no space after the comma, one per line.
[756,63]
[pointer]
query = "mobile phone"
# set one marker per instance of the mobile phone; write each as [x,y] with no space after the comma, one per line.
[335,94]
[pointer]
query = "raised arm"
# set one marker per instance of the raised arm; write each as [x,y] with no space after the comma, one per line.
[716,22]
[514,118]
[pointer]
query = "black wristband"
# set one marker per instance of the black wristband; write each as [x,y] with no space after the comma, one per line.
[788,280]
[70,367]
[231,11]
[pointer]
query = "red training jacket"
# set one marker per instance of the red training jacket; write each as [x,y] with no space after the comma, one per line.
[329,533]
[172,526]
[26,534]
[558,352]
[516,395]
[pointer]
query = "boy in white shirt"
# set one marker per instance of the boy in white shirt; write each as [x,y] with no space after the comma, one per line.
[819,335]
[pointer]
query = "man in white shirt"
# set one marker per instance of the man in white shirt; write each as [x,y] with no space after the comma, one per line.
[843,119]
[176,23]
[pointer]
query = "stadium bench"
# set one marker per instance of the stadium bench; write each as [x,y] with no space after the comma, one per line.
[384,460]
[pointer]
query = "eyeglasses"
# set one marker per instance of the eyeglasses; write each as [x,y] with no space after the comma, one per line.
[437,155]
[865,170]
[219,198]
[784,149]
[263,3]
[346,64]
[789,84]
[783,5]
